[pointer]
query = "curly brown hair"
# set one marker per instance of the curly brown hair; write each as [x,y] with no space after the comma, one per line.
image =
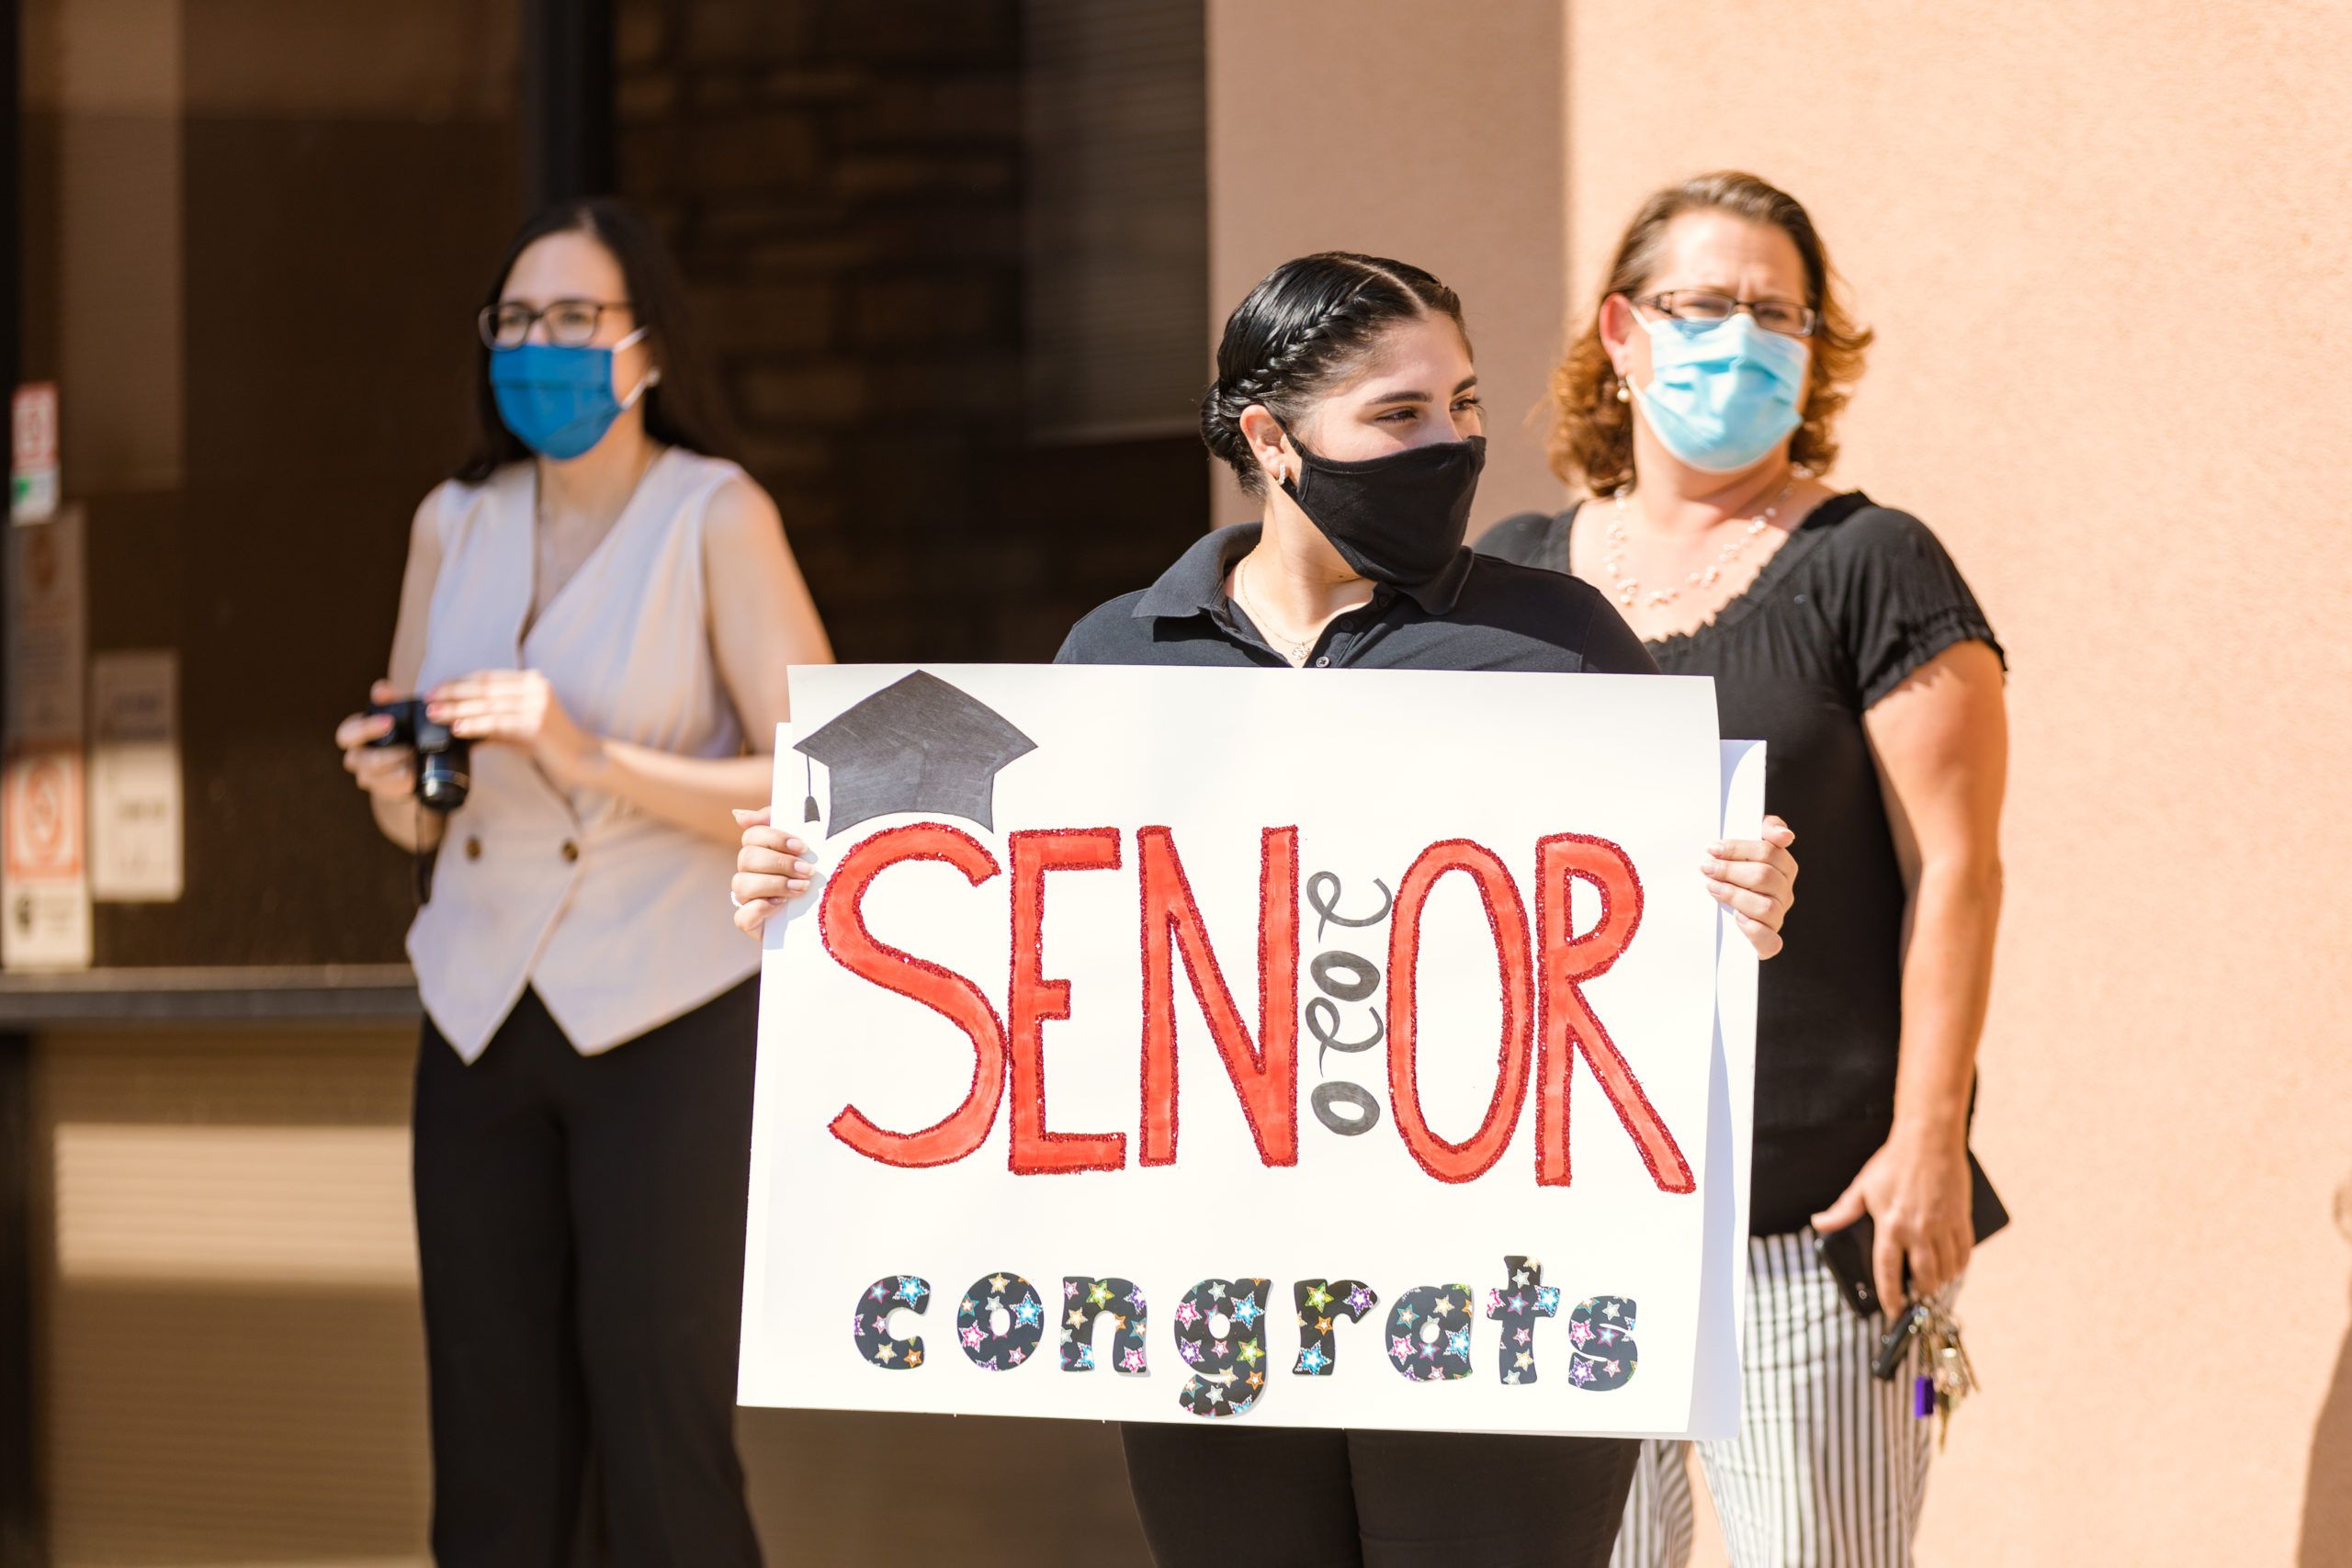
[1592,433]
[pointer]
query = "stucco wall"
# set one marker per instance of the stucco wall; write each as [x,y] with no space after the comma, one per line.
[1394,128]
[2103,247]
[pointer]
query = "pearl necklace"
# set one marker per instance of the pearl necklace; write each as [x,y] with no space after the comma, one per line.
[1628,589]
[1297,654]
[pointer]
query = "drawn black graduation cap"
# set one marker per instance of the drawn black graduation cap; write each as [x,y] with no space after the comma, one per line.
[919,745]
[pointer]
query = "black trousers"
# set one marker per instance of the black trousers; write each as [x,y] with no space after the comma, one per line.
[580,1225]
[1302,1497]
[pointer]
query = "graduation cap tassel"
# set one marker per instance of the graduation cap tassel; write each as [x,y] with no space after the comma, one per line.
[809,806]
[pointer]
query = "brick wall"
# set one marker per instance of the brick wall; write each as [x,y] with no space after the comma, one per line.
[844,184]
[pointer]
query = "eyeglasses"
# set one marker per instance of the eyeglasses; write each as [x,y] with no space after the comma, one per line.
[1782,316]
[571,324]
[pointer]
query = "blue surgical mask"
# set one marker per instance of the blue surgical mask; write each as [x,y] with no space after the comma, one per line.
[1722,394]
[559,400]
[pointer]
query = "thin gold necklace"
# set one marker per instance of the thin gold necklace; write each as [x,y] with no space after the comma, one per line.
[1297,655]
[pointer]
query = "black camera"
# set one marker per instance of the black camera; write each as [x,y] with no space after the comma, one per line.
[441,771]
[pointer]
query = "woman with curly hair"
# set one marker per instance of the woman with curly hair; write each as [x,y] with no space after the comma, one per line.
[1695,412]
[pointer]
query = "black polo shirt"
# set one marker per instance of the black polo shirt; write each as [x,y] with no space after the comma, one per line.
[1478,614]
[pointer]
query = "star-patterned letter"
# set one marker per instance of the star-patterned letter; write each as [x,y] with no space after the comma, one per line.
[1223,1380]
[1119,1300]
[1024,1322]
[1319,1301]
[871,1326]
[1602,1333]
[1431,1324]
[1523,1298]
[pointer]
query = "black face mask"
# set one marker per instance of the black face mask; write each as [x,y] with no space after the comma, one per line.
[1397,519]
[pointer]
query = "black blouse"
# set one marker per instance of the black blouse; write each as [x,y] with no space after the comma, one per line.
[1859,597]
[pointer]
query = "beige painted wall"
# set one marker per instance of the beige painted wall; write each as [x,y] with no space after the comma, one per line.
[2104,246]
[1342,125]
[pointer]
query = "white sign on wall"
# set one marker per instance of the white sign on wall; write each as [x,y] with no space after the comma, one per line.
[135,806]
[32,453]
[1324,1048]
[44,838]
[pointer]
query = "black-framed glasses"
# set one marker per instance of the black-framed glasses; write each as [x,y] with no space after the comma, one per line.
[1784,316]
[571,324]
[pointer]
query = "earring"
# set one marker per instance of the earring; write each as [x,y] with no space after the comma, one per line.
[1624,391]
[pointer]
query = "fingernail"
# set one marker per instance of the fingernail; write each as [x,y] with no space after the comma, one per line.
[742,816]
[794,846]
[797,886]
[1712,867]
[1718,847]
[801,868]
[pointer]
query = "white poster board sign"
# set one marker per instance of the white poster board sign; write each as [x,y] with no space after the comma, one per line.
[1327,1048]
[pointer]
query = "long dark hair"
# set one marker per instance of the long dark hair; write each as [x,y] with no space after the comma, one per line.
[1299,334]
[683,409]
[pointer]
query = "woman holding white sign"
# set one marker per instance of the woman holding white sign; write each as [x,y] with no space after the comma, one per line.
[1696,410]
[1347,398]
[599,607]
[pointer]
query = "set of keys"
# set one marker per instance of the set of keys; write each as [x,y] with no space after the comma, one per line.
[1947,1377]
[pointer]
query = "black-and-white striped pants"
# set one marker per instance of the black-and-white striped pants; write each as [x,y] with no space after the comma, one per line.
[1830,1466]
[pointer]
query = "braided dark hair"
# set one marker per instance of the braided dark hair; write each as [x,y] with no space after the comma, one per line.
[1301,331]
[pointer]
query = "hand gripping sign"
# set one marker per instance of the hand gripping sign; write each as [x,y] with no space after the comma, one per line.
[1323,1048]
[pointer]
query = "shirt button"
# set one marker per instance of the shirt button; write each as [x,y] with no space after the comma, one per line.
[571,851]
[473,848]
[1322,660]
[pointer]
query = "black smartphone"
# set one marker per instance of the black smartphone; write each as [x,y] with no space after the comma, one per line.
[1846,1253]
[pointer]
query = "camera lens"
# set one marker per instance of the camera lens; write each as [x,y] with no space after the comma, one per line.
[441,777]
[442,774]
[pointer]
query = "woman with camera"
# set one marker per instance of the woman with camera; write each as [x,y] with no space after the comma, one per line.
[600,609]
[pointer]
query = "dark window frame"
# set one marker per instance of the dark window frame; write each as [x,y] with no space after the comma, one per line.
[567,100]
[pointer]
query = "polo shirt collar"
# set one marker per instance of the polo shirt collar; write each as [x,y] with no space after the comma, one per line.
[1195,584]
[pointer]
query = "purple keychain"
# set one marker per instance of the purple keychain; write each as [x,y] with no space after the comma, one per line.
[1949,1378]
